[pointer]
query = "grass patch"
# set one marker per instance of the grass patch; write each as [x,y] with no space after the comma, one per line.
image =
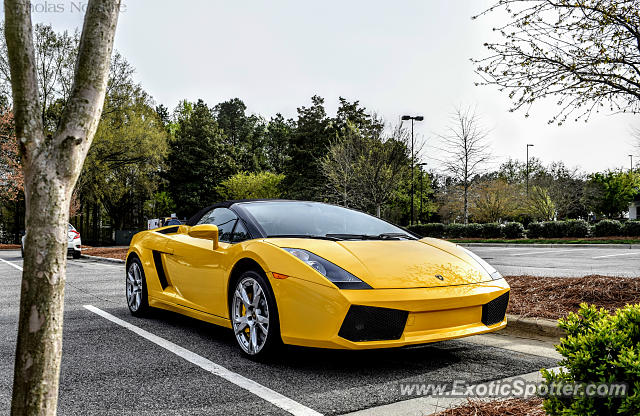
[555,297]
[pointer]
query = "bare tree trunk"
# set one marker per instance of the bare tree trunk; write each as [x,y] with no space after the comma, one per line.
[51,169]
[466,203]
[378,208]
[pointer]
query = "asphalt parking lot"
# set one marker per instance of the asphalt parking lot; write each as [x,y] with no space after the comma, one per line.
[562,261]
[109,369]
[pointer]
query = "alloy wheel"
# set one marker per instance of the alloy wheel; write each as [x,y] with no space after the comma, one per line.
[250,318]
[134,287]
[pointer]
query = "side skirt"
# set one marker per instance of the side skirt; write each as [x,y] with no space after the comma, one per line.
[192,313]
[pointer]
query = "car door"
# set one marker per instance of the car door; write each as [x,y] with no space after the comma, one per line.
[198,272]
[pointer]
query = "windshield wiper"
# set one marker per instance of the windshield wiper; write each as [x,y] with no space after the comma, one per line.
[383,236]
[329,237]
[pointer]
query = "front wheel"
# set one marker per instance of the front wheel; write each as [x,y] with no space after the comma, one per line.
[254,316]
[136,291]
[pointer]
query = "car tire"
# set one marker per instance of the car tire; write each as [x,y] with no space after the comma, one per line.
[255,322]
[21,251]
[77,254]
[136,288]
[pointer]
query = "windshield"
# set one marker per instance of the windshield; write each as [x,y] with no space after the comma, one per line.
[315,219]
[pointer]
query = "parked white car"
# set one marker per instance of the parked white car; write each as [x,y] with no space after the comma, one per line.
[73,246]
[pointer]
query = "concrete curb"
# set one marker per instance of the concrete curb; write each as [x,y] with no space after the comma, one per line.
[629,246]
[103,259]
[533,328]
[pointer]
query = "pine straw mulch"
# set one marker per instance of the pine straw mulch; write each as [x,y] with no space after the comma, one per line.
[511,407]
[555,297]
[9,246]
[110,252]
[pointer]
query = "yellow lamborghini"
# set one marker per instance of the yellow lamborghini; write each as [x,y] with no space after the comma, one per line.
[313,274]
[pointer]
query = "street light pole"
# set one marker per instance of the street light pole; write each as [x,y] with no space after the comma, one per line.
[528,146]
[412,118]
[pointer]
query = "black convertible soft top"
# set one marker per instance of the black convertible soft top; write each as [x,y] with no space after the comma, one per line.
[226,204]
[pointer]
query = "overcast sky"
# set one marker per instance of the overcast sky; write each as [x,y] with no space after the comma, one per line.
[395,57]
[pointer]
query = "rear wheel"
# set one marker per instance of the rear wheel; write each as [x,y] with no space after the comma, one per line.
[254,316]
[136,291]
[76,254]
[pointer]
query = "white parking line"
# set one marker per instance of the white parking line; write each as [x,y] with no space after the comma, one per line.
[615,255]
[11,264]
[259,390]
[555,250]
[534,252]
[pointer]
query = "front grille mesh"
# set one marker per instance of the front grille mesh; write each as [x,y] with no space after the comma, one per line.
[368,323]
[494,311]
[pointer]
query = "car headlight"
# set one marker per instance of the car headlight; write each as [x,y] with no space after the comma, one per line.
[337,275]
[495,275]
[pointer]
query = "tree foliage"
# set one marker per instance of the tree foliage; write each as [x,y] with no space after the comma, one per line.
[122,167]
[609,193]
[364,168]
[11,176]
[540,205]
[583,54]
[308,143]
[496,200]
[251,185]
[198,159]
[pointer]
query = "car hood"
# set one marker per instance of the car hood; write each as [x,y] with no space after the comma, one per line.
[397,264]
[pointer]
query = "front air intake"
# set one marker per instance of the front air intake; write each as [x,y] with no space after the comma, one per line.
[368,323]
[494,311]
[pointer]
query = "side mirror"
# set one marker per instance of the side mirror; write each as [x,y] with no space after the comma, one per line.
[206,232]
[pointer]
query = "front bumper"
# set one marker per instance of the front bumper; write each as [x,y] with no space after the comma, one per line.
[313,315]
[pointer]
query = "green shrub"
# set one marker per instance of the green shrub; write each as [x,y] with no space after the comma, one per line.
[513,230]
[534,230]
[598,348]
[455,231]
[436,229]
[554,229]
[492,230]
[473,230]
[577,228]
[631,228]
[607,228]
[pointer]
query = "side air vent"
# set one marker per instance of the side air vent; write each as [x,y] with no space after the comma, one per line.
[494,311]
[157,260]
[367,323]
[169,230]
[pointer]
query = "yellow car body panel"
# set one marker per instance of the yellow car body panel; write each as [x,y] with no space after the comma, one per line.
[311,309]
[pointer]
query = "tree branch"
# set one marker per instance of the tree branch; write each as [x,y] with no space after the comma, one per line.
[24,81]
[82,112]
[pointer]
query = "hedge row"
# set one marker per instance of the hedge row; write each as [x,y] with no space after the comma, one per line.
[490,230]
[514,230]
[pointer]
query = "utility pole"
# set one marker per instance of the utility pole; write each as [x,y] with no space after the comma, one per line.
[528,146]
[412,118]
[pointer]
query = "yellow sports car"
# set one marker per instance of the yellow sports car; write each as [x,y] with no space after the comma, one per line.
[313,274]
